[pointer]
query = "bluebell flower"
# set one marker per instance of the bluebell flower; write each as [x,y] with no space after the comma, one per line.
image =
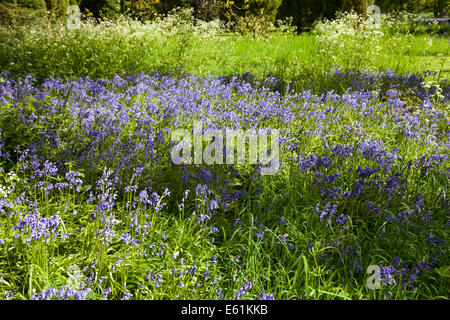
[243,290]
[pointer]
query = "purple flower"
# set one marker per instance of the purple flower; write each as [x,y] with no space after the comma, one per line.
[73,178]
[213,230]
[266,296]
[63,293]
[243,290]
[260,235]
[219,293]
[126,296]
[106,293]
[341,219]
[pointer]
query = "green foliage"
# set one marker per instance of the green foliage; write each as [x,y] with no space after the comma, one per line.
[106,47]
[102,8]
[32,4]
[266,9]
[306,12]
[274,238]
[439,7]
[57,7]
[248,14]
[181,43]
[149,9]
[25,12]
[21,12]
[409,23]
[184,44]
[350,42]
[254,17]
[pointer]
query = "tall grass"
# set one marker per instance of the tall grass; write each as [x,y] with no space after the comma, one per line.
[91,207]
[179,43]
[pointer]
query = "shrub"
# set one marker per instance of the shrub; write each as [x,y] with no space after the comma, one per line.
[104,48]
[266,8]
[249,16]
[410,23]
[32,11]
[437,7]
[306,12]
[210,9]
[57,7]
[349,41]
[102,8]
[14,13]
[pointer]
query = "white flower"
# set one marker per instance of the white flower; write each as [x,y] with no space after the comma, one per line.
[3,192]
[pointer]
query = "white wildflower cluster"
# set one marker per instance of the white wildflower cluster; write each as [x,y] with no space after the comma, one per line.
[350,40]
[123,29]
[405,23]
[3,191]
[259,26]
[433,86]
[7,187]
[284,26]
[178,21]
[166,41]
[396,23]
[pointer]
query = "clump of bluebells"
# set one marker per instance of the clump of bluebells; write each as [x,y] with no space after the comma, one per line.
[63,293]
[87,179]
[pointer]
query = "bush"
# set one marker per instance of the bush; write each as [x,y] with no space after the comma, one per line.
[349,42]
[262,8]
[102,8]
[255,17]
[306,12]
[32,4]
[104,48]
[409,23]
[14,13]
[148,9]
[438,7]
[57,7]
[34,12]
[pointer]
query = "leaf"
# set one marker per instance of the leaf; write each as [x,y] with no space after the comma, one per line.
[444,271]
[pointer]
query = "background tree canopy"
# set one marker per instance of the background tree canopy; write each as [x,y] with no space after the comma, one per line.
[303,12]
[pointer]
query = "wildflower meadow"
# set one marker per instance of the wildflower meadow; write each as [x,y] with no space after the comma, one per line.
[116,181]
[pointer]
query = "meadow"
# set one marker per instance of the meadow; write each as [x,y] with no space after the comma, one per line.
[92,207]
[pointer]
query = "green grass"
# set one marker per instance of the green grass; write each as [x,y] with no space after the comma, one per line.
[240,255]
[236,254]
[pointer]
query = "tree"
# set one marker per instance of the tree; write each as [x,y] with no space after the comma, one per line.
[306,12]
[438,7]
[101,8]
[13,12]
[265,8]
